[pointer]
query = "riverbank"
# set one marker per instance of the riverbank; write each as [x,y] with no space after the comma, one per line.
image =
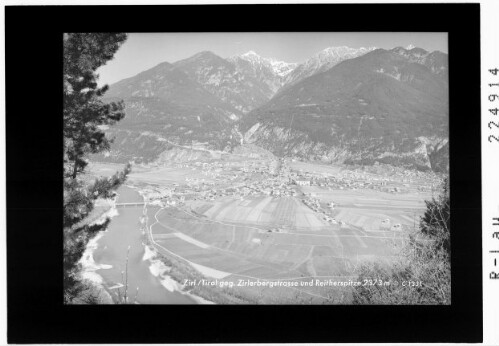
[119,256]
[160,270]
[177,271]
[89,267]
[158,263]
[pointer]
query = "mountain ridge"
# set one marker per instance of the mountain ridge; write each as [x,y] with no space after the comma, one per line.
[382,105]
[377,106]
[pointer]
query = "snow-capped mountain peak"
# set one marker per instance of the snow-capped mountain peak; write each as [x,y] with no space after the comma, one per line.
[332,54]
[282,68]
[250,56]
[250,53]
[324,60]
[277,67]
[410,46]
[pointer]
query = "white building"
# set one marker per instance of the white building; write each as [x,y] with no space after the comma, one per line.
[302,182]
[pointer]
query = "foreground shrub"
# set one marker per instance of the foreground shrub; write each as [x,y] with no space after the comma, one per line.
[422,275]
[84,115]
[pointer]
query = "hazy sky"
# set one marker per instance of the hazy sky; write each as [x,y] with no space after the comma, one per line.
[143,51]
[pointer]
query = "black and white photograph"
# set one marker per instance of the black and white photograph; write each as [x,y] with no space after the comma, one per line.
[252,168]
[190,173]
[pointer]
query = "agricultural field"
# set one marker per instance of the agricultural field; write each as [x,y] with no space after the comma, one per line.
[370,210]
[168,175]
[235,241]
[104,169]
[245,219]
[264,210]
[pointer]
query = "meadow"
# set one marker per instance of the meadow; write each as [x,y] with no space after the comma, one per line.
[272,238]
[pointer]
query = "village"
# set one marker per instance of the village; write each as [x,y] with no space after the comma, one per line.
[283,177]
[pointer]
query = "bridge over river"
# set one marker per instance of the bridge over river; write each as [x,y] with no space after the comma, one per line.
[132,204]
[121,249]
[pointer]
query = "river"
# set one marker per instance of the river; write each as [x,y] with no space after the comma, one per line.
[123,232]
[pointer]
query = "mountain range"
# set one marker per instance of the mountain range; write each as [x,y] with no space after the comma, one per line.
[344,104]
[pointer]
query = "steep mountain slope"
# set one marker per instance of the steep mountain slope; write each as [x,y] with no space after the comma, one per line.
[323,61]
[245,81]
[389,106]
[270,72]
[222,78]
[436,62]
[382,106]
[164,106]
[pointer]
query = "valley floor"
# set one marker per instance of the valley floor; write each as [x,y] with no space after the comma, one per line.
[276,231]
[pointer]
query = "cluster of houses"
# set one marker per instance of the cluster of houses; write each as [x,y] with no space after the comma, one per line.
[240,179]
[387,225]
[235,179]
[348,180]
[421,181]
[395,180]
[315,205]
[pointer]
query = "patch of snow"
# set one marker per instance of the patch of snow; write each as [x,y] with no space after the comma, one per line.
[159,269]
[148,253]
[307,104]
[89,267]
[391,75]
[326,59]
[210,272]
[276,67]
[118,285]
[170,284]
[251,131]
[191,240]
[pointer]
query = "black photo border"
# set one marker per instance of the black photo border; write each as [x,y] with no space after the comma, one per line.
[34,183]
